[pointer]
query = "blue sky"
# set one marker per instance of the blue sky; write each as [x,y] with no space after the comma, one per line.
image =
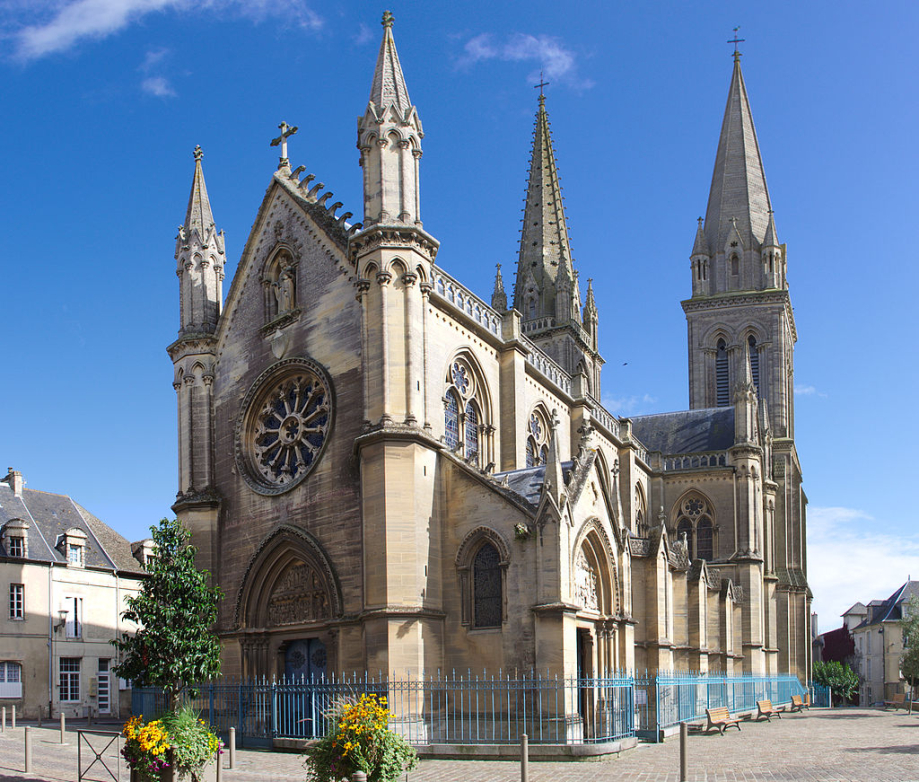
[104,101]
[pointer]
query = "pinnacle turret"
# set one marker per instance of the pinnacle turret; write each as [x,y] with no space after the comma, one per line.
[499,297]
[389,138]
[200,258]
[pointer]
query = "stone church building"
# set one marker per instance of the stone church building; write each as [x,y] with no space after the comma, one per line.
[385,472]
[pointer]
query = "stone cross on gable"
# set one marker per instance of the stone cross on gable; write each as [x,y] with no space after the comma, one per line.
[286,132]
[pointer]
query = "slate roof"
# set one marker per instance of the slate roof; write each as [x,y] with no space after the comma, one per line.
[687,431]
[50,516]
[891,609]
[529,481]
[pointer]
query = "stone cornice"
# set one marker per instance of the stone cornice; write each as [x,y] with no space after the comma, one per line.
[733,299]
[206,499]
[188,344]
[394,237]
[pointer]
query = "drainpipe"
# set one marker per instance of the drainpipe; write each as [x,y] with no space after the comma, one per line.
[51,640]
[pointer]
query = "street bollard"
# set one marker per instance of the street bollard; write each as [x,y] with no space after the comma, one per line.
[231,745]
[63,727]
[358,776]
[28,732]
[684,738]
[524,758]
[219,761]
[3,721]
[13,726]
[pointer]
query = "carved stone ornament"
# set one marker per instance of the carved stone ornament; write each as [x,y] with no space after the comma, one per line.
[284,424]
[299,596]
[586,583]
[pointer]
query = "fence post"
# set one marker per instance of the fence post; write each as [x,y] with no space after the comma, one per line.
[524,758]
[684,738]
[63,726]
[28,732]
[231,744]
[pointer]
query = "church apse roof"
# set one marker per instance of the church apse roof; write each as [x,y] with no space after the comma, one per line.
[686,431]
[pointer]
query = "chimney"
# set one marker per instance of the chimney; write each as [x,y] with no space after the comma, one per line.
[14,479]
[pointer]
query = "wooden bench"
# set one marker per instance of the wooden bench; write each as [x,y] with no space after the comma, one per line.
[899,699]
[720,718]
[799,704]
[765,709]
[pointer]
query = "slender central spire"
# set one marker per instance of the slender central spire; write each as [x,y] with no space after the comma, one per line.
[738,191]
[545,251]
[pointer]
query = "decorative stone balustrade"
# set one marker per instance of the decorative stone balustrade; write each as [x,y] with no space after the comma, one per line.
[547,366]
[464,300]
[695,461]
[537,324]
[605,419]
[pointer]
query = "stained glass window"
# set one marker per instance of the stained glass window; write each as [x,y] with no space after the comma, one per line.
[531,452]
[704,539]
[451,422]
[543,455]
[486,570]
[460,378]
[472,432]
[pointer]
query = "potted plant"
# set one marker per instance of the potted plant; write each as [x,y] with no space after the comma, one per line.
[174,648]
[358,738]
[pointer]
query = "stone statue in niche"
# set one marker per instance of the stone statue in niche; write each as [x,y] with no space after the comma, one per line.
[284,291]
[298,597]
[586,583]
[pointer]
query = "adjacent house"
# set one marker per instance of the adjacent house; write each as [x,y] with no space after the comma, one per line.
[66,575]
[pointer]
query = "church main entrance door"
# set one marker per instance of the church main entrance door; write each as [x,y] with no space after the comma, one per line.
[303,695]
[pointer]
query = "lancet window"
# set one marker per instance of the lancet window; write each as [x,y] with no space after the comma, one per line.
[695,521]
[754,361]
[486,587]
[537,451]
[722,395]
[464,407]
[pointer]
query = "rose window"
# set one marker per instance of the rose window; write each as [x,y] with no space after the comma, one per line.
[284,426]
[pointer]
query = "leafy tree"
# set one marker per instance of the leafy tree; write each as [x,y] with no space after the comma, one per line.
[839,677]
[176,610]
[909,625]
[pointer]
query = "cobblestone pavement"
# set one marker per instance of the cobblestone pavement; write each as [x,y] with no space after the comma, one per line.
[842,745]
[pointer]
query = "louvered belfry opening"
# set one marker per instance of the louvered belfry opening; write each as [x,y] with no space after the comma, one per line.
[723,396]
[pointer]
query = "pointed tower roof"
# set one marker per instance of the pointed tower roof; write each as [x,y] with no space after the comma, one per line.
[739,181]
[388,88]
[700,246]
[499,297]
[544,244]
[198,216]
[770,239]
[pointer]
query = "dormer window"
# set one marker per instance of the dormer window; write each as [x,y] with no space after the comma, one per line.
[143,552]
[72,545]
[15,538]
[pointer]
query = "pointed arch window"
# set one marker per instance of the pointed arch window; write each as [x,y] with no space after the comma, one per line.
[537,449]
[754,361]
[735,266]
[695,522]
[722,397]
[465,412]
[486,587]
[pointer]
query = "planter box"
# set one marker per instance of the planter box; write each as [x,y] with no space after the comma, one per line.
[208,774]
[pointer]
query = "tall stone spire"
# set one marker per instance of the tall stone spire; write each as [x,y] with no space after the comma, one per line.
[738,191]
[200,258]
[545,250]
[389,138]
[499,297]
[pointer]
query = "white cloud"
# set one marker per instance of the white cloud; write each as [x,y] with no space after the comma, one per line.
[158,86]
[630,405]
[850,558]
[73,21]
[153,58]
[809,391]
[553,59]
[364,35]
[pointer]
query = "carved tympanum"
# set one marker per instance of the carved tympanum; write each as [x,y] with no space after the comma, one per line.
[299,596]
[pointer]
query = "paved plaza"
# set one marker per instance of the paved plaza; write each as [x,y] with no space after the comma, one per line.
[841,745]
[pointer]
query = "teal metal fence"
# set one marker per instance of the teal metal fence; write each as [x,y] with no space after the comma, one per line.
[482,709]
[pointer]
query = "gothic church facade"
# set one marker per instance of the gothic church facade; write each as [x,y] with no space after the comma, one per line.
[383,471]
